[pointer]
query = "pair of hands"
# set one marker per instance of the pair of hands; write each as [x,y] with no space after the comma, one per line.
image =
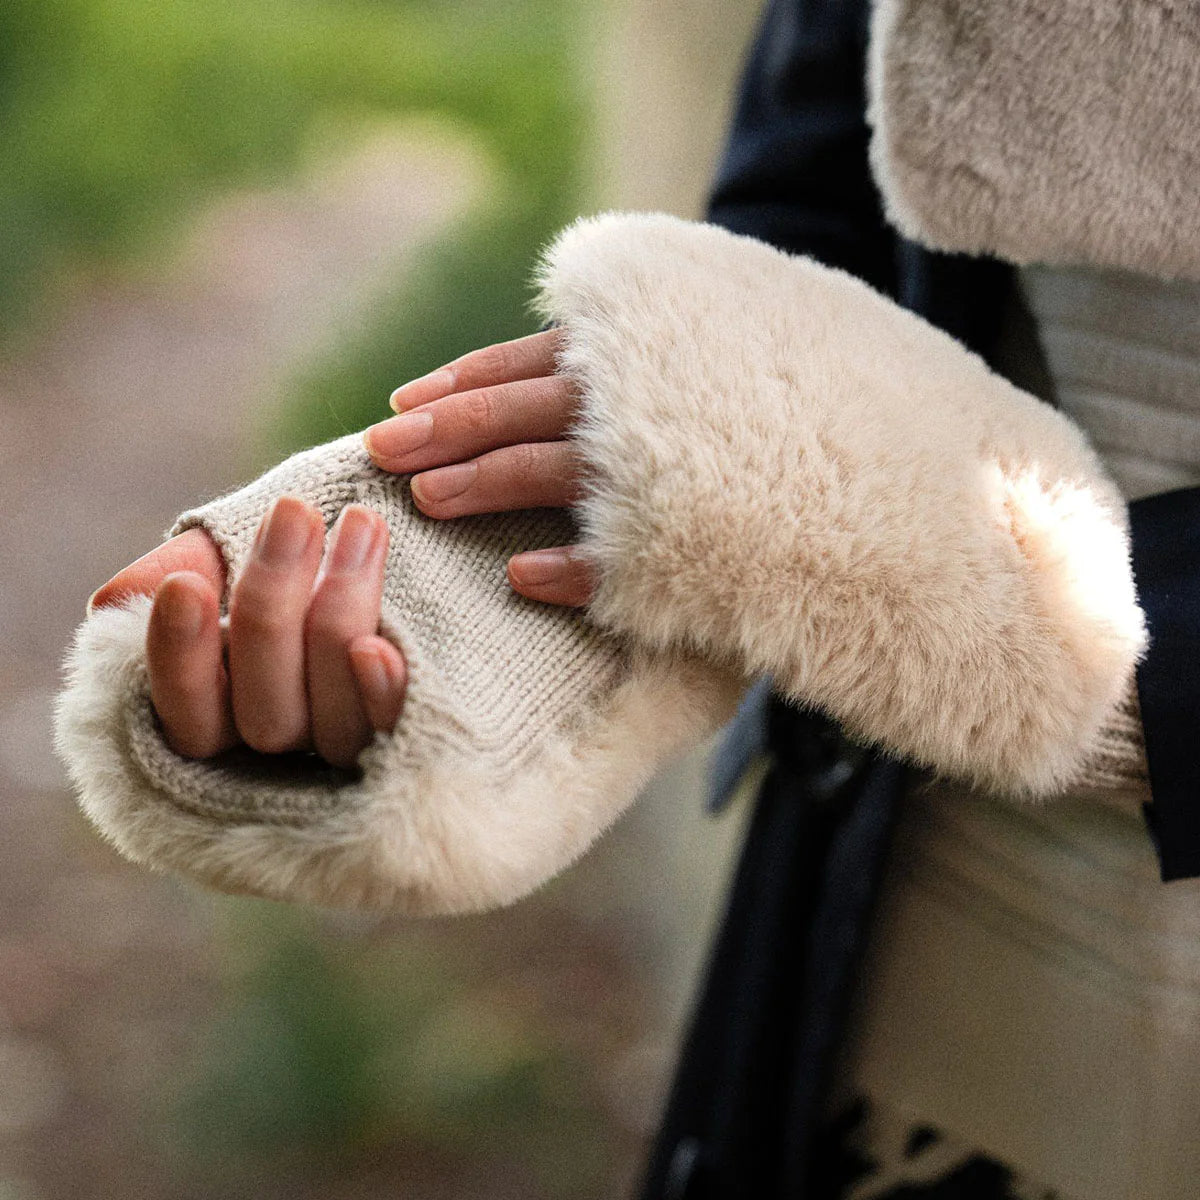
[304,666]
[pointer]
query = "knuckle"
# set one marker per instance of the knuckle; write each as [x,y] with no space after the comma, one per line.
[479,411]
[262,622]
[495,360]
[267,736]
[526,461]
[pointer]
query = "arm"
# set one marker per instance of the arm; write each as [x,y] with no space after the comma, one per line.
[792,473]
[783,471]
[796,175]
[768,356]
[525,730]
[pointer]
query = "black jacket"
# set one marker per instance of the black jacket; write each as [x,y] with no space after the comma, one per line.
[742,1117]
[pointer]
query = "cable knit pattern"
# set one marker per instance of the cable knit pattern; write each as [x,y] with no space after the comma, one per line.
[526,730]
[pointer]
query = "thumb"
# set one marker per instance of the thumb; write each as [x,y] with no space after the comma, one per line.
[192,550]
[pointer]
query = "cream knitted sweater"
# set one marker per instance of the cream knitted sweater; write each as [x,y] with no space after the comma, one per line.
[788,474]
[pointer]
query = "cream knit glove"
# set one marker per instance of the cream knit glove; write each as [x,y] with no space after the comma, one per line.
[525,730]
[793,474]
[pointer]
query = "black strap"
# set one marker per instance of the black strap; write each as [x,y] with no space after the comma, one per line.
[757,1058]
[1166,566]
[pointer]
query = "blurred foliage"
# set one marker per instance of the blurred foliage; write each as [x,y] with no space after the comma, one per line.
[332,1050]
[119,115]
[471,287]
[464,291]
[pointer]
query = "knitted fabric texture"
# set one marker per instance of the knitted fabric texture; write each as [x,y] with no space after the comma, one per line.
[475,648]
[1117,766]
[525,731]
[1058,132]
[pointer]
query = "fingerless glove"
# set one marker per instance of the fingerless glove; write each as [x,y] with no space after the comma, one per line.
[785,473]
[792,473]
[525,730]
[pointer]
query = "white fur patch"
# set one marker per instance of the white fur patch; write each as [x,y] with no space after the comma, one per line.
[791,474]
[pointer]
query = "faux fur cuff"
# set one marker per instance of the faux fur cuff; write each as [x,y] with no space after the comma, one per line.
[791,474]
[525,733]
[1059,131]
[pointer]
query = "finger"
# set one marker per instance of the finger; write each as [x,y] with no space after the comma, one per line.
[266,628]
[561,575]
[470,423]
[382,678]
[505,362]
[534,475]
[192,550]
[344,607]
[189,687]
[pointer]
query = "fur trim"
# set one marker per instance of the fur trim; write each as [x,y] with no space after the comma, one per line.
[792,474]
[426,829]
[1062,132]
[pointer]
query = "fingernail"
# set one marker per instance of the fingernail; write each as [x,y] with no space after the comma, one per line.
[372,674]
[398,436]
[433,386]
[445,483]
[185,614]
[286,535]
[538,566]
[353,539]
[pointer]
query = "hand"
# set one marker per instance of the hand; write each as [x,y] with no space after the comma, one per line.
[304,669]
[487,433]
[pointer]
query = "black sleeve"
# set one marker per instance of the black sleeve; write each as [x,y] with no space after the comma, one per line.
[795,170]
[1166,565]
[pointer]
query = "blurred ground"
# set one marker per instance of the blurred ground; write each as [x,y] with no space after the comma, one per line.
[159,1042]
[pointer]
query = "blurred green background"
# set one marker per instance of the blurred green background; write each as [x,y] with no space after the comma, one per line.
[122,115]
[228,230]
